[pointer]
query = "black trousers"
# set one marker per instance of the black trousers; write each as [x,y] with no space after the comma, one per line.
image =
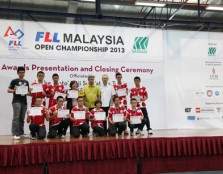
[139,126]
[88,119]
[59,129]
[106,109]
[117,127]
[37,130]
[82,129]
[99,130]
[146,116]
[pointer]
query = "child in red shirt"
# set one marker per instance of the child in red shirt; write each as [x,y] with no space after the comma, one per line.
[58,125]
[135,111]
[37,126]
[97,125]
[80,125]
[53,88]
[40,78]
[116,110]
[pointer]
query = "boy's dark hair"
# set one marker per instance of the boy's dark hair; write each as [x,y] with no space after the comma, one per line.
[132,99]
[59,97]
[79,97]
[115,98]
[38,97]
[137,78]
[20,68]
[40,72]
[118,74]
[55,75]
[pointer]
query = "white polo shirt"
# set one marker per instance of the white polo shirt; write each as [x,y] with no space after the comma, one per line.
[107,91]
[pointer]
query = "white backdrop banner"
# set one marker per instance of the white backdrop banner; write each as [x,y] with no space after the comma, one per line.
[194,79]
[74,52]
[182,71]
[80,42]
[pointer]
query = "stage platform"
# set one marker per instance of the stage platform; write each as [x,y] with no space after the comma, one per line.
[164,151]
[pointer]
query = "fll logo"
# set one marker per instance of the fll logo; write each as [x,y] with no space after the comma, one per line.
[47,37]
[140,45]
[14,37]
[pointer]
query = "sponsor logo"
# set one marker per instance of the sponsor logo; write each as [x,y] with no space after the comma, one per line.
[212,51]
[217,93]
[204,110]
[199,93]
[209,93]
[198,110]
[190,117]
[14,37]
[218,109]
[213,75]
[140,45]
[188,109]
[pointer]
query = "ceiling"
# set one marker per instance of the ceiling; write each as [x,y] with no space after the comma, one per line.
[177,14]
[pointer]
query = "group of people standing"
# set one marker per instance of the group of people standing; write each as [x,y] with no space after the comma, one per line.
[76,109]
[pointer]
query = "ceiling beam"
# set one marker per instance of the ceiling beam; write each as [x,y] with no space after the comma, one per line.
[110,18]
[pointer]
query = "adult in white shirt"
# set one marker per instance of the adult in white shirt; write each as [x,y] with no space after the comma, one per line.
[107,94]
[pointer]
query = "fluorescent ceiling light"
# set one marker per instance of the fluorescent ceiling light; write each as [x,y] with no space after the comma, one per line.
[149,3]
[214,7]
[87,0]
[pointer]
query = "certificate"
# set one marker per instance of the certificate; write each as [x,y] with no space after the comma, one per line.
[137,98]
[118,117]
[62,113]
[37,88]
[135,119]
[99,115]
[79,115]
[22,90]
[121,92]
[72,94]
[35,111]
[59,94]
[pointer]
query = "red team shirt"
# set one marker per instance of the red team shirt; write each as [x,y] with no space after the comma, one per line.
[39,94]
[51,87]
[137,113]
[96,122]
[56,120]
[139,92]
[122,98]
[81,121]
[113,110]
[39,119]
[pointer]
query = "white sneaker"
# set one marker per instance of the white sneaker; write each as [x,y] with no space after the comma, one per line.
[132,134]
[33,138]
[150,132]
[63,136]
[16,137]
[24,136]
[140,133]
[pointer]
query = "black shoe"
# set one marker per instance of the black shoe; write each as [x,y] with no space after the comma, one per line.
[85,135]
